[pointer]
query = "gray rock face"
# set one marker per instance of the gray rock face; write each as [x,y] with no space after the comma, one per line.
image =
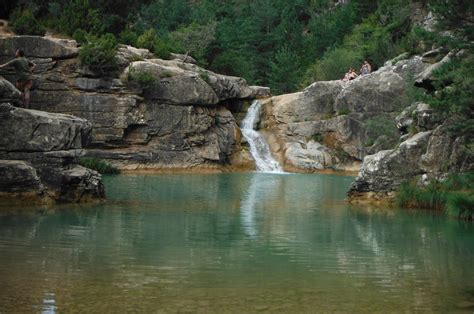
[38,156]
[8,92]
[181,118]
[38,131]
[425,155]
[38,47]
[351,119]
[387,169]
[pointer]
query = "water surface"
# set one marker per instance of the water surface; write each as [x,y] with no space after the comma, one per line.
[232,243]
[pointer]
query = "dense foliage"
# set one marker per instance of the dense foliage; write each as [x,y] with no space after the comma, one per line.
[278,43]
[99,52]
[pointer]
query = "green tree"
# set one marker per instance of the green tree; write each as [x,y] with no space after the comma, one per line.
[194,38]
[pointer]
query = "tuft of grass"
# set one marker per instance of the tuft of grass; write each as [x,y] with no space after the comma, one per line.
[99,165]
[343,112]
[461,205]
[204,75]
[453,195]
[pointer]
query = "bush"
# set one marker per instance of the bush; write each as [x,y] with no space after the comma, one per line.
[333,66]
[147,40]
[27,24]
[80,36]
[128,37]
[144,79]
[98,165]
[159,46]
[162,49]
[99,53]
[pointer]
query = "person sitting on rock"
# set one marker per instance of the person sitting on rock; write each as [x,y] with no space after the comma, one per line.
[350,75]
[23,68]
[366,68]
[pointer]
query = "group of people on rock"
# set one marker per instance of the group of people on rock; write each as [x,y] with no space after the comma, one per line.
[352,74]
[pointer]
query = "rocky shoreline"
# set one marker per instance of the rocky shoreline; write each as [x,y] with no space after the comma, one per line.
[187,119]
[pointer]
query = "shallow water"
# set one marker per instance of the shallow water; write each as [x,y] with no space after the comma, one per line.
[232,243]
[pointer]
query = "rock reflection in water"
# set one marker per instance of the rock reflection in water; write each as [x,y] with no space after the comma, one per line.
[238,242]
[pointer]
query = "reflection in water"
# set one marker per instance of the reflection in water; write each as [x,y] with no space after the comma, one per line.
[232,242]
[263,188]
[49,304]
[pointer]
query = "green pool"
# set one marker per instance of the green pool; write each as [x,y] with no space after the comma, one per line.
[242,242]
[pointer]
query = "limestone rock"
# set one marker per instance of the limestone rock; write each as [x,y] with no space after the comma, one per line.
[183,58]
[38,156]
[79,184]
[38,47]
[387,169]
[17,176]
[405,119]
[8,92]
[426,117]
[181,119]
[38,131]
[352,119]
[309,156]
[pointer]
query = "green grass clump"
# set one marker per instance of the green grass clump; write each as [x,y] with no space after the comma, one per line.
[343,112]
[453,195]
[98,165]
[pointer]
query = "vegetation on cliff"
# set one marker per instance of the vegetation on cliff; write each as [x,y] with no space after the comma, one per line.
[281,44]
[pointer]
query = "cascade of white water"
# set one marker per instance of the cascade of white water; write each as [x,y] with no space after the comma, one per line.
[258,146]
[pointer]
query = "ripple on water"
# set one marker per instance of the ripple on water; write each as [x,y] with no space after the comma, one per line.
[233,242]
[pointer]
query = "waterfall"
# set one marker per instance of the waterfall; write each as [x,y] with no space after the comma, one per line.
[258,146]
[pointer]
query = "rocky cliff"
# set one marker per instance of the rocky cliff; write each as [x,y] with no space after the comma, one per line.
[182,117]
[38,157]
[335,124]
[338,124]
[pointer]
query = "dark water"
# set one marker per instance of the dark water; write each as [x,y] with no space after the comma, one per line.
[232,243]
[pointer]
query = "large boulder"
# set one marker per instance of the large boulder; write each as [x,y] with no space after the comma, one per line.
[38,131]
[351,119]
[8,92]
[424,156]
[38,157]
[38,47]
